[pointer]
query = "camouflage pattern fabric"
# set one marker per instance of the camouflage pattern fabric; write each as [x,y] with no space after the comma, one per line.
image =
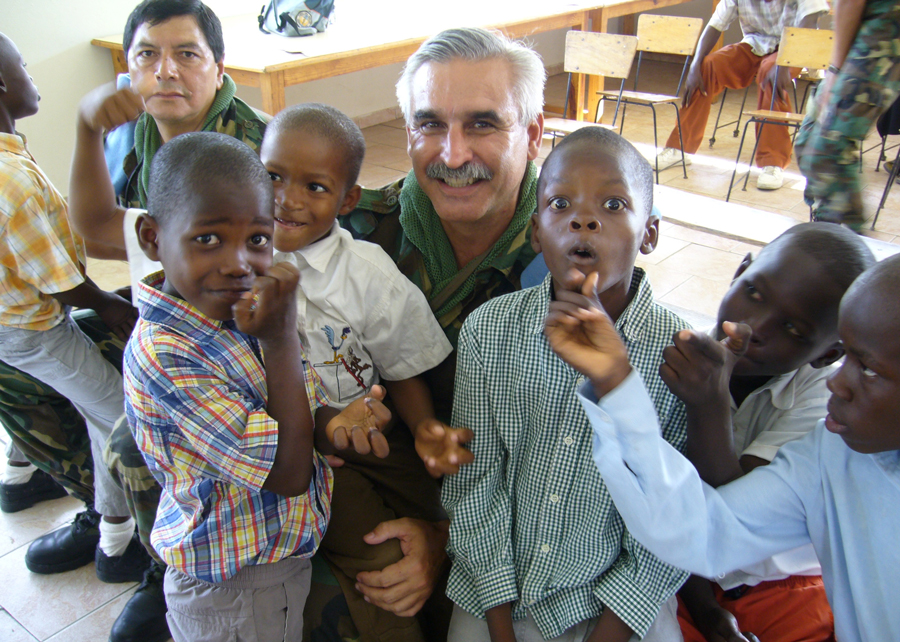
[45,426]
[129,470]
[829,139]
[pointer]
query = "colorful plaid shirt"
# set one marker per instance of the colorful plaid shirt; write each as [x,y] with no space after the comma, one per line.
[39,253]
[196,403]
[531,520]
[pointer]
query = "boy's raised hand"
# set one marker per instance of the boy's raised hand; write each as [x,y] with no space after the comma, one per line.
[269,310]
[106,107]
[697,368]
[441,447]
[359,425]
[583,335]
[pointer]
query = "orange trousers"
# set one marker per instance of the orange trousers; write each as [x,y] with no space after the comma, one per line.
[794,609]
[735,67]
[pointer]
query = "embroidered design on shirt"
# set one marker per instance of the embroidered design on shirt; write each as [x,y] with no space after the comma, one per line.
[354,368]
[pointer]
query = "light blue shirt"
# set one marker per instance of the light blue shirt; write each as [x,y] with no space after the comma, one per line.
[815,490]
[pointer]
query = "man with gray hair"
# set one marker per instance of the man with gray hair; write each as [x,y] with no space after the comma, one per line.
[459,227]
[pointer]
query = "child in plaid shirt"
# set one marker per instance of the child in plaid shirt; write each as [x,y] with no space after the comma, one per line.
[221,401]
[42,276]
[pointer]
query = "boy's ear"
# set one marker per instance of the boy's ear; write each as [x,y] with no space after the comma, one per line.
[351,200]
[535,240]
[835,352]
[746,262]
[148,236]
[651,234]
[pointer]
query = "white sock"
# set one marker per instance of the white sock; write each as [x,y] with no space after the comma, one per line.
[17,474]
[114,538]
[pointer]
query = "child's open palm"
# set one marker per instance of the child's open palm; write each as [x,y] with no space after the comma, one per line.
[442,447]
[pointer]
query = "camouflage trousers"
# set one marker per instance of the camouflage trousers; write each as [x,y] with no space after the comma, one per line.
[828,143]
[45,427]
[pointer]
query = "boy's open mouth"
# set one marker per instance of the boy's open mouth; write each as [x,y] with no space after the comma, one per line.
[582,252]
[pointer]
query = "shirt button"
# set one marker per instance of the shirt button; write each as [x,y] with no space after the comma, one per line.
[545,548]
[568,441]
[554,498]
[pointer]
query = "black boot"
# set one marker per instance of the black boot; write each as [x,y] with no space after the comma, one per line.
[127,567]
[144,617]
[41,487]
[66,548]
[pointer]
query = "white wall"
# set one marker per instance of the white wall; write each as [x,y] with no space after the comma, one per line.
[54,38]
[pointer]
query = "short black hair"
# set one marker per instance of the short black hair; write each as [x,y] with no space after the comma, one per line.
[157,11]
[883,280]
[606,140]
[841,253]
[331,124]
[200,161]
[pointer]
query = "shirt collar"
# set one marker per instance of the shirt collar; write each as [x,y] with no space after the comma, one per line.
[631,322]
[14,143]
[155,306]
[318,254]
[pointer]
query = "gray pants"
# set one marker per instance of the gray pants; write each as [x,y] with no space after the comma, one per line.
[260,604]
[66,359]
[465,627]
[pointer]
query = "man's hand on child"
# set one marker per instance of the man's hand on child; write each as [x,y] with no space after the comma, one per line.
[106,107]
[697,368]
[583,335]
[269,310]
[360,424]
[118,314]
[441,447]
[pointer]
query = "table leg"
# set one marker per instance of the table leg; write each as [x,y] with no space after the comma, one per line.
[119,61]
[599,23]
[271,84]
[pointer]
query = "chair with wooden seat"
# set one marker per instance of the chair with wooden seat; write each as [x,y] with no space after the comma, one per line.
[810,48]
[592,54]
[662,35]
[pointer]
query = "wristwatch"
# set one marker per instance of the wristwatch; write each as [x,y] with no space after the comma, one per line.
[833,70]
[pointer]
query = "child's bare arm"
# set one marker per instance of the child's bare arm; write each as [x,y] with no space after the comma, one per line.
[500,624]
[697,369]
[439,446]
[610,628]
[714,622]
[117,313]
[270,315]
[359,426]
[92,199]
[583,335]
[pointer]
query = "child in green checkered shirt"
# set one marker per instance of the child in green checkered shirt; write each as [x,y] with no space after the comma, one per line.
[538,548]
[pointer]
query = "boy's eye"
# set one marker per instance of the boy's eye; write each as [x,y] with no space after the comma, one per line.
[275,177]
[558,203]
[316,187]
[259,240]
[207,239]
[614,204]
[792,329]
[753,293]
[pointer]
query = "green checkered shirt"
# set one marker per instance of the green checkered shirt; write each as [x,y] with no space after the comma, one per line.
[531,520]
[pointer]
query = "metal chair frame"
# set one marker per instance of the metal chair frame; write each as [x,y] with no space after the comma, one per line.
[810,48]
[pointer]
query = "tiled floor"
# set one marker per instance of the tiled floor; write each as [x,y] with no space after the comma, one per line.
[690,271]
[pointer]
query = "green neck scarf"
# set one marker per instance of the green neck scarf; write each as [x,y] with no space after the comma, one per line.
[147,139]
[423,229]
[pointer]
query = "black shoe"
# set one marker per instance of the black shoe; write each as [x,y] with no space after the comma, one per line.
[127,567]
[66,548]
[144,617]
[41,487]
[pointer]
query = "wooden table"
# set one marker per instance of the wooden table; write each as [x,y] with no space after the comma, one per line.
[362,38]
